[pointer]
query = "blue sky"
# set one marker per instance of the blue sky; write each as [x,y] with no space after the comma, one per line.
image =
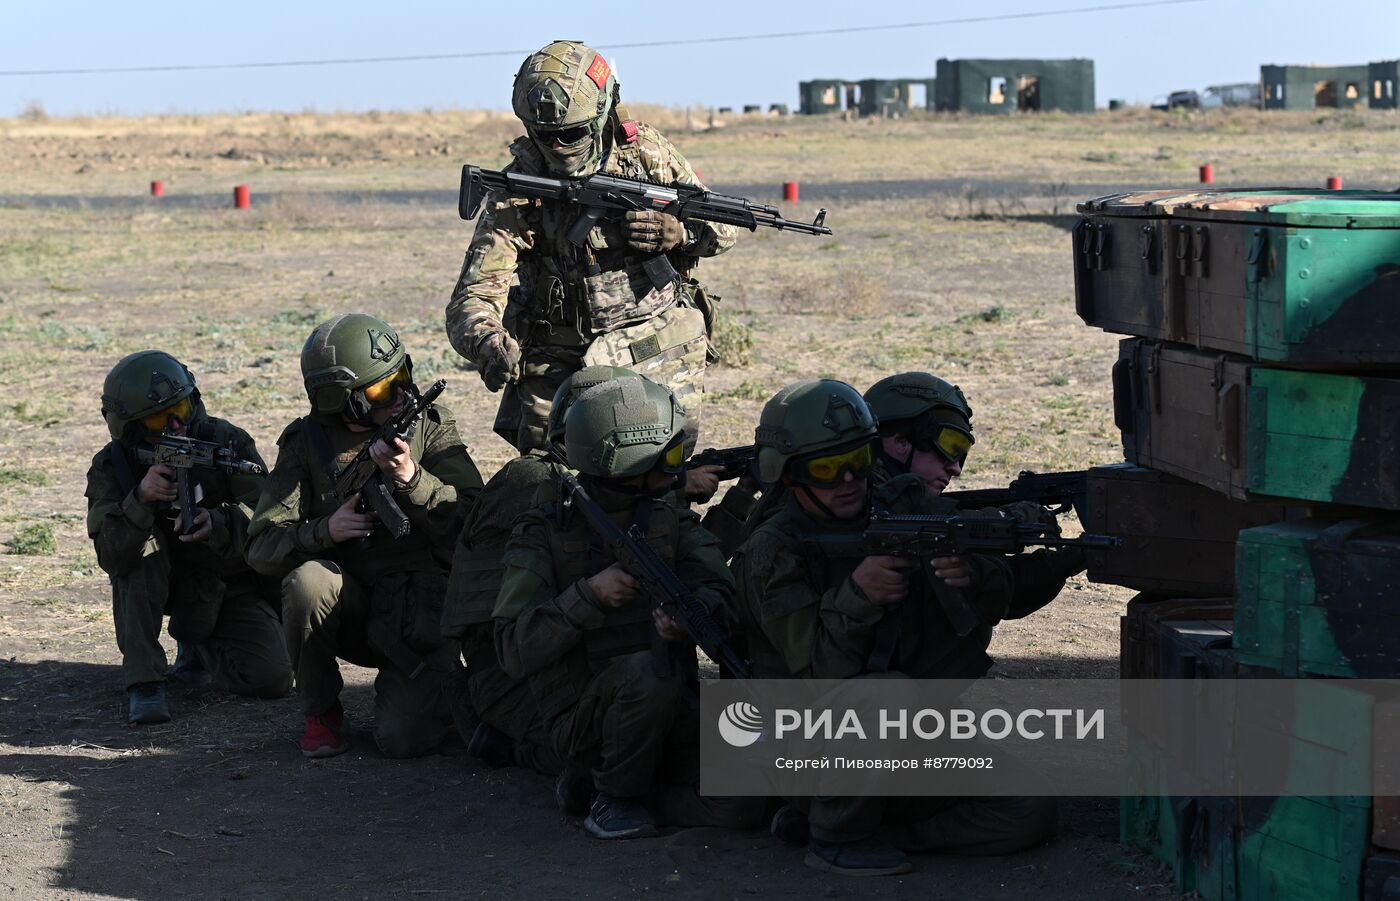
[1138,53]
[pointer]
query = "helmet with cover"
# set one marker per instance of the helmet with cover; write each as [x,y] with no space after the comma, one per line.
[353,364]
[144,391]
[931,413]
[569,391]
[808,419]
[564,94]
[625,427]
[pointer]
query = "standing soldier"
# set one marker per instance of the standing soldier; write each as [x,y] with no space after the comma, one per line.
[812,616]
[926,430]
[350,589]
[578,627]
[589,305]
[219,613]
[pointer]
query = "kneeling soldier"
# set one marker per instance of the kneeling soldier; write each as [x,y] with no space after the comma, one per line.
[193,570]
[813,616]
[609,671]
[350,589]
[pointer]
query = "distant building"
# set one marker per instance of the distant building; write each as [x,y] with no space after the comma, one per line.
[1314,87]
[1385,80]
[866,97]
[821,95]
[1015,85]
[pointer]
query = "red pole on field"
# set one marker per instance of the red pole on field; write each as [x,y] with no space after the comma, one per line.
[789,192]
[157,189]
[1334,183]
[1207,174]
[241,199]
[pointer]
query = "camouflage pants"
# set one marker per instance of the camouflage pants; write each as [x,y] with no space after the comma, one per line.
[669,348]
[326,615]
[244,651]
[640,739]
[502,702]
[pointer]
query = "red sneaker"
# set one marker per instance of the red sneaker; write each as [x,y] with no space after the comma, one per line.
[325,734]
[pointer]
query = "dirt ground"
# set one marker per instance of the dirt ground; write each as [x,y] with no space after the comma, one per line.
[973,285]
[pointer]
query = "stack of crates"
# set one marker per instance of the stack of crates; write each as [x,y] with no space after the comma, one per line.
[1258,395]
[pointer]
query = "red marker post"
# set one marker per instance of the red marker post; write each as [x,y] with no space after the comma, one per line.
[1334,183]
[789,192]
[241,199]
[157,189]
[1207,174]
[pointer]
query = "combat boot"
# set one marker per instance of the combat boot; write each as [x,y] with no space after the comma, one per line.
[791,825]
[325,734]
[189,669]
[145,704]
[863,857]
[611,817]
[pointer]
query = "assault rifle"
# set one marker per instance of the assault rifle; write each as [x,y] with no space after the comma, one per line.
[734,461]
[602,195]
[659,581]
[185,454]
[926,536]
[363,475]
[1056,491]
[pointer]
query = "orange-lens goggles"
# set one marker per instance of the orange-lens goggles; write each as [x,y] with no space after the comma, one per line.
[829,470]
[383,392]
[952,443]
[160,420]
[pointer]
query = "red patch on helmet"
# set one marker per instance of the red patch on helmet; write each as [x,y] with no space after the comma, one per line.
[599,71]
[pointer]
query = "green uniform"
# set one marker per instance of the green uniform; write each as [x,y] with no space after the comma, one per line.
[584,306]
[804,617]
[377,605]
[590,667]
[502,701]
[215,602]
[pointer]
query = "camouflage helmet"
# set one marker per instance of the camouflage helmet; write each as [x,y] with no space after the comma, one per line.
[345,355]
[808,417]
[562,87]
[910,395]
[144,383]
[570,389]
[622,427]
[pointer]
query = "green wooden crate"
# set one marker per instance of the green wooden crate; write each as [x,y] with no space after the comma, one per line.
[1320,598]
[1300,277]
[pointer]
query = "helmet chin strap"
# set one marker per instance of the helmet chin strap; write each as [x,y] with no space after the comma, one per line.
[826,511]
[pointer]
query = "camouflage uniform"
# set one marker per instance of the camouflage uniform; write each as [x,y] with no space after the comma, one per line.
[582,306]
[215,602]
[590,667]
[805,618]
[503,702]
[378,605]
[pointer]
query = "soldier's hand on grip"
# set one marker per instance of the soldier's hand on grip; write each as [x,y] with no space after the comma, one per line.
[666,627]
[394,460]
[499,361]
[956,572]
[651,231]
[346,524]
[157,485]
[614,586]
[203,527]
[884,580]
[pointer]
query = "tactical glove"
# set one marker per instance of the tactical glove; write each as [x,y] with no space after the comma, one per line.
[652,231]
[498,361]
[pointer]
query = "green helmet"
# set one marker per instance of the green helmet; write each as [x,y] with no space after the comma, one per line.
[344,356]
[144,383]
[564,94]
[622,427]
[910,395]
[570,389]
[808,417]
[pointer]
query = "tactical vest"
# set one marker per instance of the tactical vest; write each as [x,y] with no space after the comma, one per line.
[577,554]
[600,286]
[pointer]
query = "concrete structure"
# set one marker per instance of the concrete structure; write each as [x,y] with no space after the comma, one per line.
[1385,84]
[821,95]
[1015,85]
[867,97]
[1314,87]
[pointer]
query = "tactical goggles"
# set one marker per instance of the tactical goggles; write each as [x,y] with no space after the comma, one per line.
[673,460]
[830,469]
[948,441]
[159,421]
[564,136]
[383,392]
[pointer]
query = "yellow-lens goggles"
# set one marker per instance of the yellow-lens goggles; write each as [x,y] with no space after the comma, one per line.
[675,456]
[952,443]
[383,392]
[830,469]
[160,420]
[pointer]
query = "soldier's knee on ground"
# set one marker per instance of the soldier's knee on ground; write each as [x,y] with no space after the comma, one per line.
[266,679]
[639,686]
[310,588]
[403,734]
